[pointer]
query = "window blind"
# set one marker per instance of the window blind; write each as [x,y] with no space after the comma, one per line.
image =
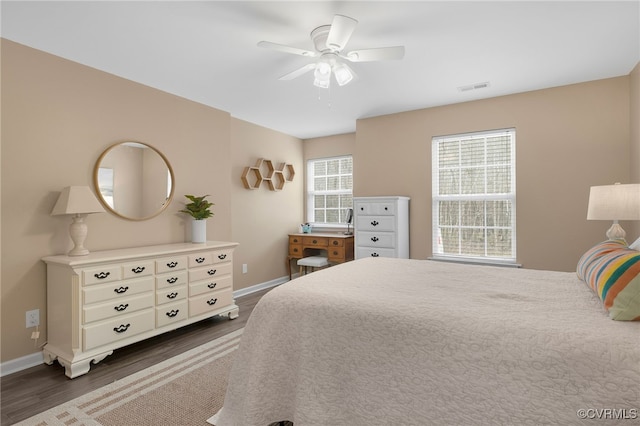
[474,195]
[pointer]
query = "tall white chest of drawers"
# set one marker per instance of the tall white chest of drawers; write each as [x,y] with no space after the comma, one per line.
[381,226]
[110,299]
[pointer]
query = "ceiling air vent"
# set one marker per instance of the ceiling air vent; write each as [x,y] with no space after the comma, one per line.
[474,86]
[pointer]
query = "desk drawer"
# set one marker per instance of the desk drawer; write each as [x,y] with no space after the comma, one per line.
[315,242]
[295,250]
[335,254]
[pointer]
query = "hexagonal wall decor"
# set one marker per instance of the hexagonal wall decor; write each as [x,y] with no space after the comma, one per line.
[263,171]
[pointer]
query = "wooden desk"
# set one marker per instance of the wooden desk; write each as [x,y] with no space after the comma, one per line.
[337,247]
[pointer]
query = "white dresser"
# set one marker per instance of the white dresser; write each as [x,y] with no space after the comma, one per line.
[109,299]
[381,226]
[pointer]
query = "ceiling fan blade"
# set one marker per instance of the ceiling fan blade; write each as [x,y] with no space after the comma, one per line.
[286,49]
[298,72]
[341,29]
[375,54]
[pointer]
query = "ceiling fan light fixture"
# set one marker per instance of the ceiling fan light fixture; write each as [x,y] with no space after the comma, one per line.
[322,75]
[343,74]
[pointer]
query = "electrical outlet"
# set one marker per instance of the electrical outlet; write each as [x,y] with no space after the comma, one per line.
[245,268]
[33,318]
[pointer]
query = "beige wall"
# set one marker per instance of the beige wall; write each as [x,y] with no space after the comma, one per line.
[262,218]
[59,116]
[633,230]
[567,139]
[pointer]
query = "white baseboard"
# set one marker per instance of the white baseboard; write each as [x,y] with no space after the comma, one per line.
[37,358]
[22,363]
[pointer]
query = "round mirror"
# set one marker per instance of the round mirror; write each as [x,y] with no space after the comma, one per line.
[134,180]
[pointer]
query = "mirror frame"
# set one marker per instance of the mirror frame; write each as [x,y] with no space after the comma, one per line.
[104,202]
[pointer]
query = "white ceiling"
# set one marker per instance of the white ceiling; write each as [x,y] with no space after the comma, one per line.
[206,51]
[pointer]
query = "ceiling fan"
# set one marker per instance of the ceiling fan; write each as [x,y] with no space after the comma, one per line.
[329,42]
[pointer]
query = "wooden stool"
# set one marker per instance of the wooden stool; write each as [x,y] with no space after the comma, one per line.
[312,261]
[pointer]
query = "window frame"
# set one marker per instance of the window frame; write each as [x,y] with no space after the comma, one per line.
[509,196]
[310,193]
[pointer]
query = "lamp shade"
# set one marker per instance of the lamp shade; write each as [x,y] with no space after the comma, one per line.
[614,202]
[76,200]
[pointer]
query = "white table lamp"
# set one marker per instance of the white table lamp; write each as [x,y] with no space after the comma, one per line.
[614,202]
[78,201]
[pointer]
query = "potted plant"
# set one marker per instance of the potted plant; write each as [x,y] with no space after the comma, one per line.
[199,210]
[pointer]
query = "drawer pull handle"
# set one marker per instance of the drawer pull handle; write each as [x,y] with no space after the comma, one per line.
[121,328]
[335,253]
[374,239]
[386,208]
[315,241]
[295,250]
[102,275]
[212,285]
[172,264]
[335,243]
[172,295]
[172,280]
[172,313]
[211,302]
[361,209]
[121,308]
[199,259]
[375,223]
[137,269]
[211,271]
[222,256]
[375,255]
[121,290]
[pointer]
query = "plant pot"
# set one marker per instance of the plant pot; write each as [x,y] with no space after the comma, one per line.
[198,231]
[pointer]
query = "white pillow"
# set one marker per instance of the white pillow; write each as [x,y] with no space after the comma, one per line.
[635,245]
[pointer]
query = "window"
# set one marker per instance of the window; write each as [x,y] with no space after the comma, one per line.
[329,190]
[474,196]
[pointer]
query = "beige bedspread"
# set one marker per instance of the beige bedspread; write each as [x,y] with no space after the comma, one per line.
[383,341]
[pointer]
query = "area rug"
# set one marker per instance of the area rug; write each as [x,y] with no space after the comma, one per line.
[183,390]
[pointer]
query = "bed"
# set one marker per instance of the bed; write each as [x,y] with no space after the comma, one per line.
[381,341]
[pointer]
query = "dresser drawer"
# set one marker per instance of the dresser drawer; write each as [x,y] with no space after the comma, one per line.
[200,259]
[171,264]
[171,313]
[104,274]
[381,208]
[201,287]
[97,312]
[210,302]
[315,242]
[220,256]
[376,239]
[118,290]
[210,272]
[375,252]
[137,269]
[171,280]
[117,329]
[171,294]
[376,223]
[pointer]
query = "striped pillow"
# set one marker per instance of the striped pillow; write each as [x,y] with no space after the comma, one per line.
[612,270]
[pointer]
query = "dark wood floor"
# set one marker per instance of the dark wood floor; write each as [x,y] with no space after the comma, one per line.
[29,392]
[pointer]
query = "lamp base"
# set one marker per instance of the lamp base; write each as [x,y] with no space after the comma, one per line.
[78,232]
[616,232]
